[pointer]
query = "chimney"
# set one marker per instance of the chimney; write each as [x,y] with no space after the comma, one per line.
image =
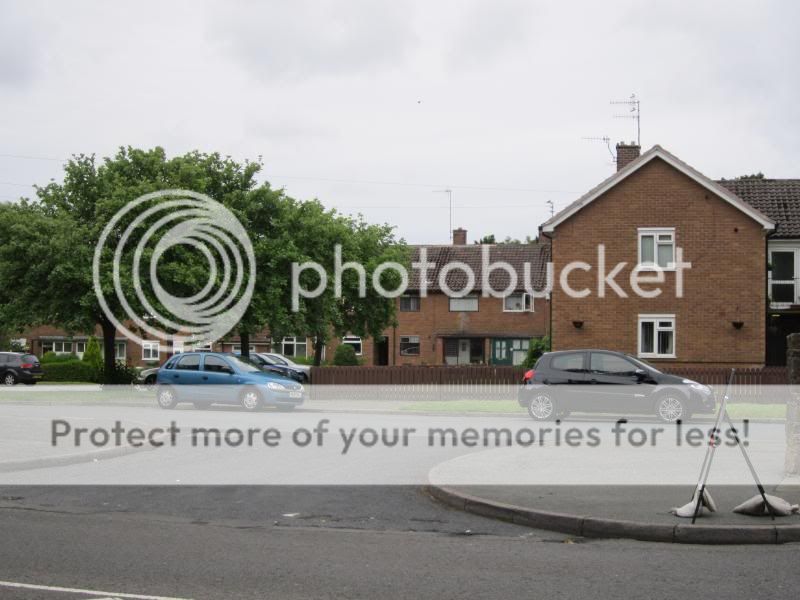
[459,237]
[627,153]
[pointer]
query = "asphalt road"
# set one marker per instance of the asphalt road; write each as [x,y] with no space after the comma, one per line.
[338,542]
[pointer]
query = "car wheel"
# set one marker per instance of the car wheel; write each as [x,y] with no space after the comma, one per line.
[542,407]
[167,398]
[150,380]
[9,379]
[250,400]
[670,407]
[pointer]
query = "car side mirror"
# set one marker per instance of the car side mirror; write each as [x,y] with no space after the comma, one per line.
[640,374]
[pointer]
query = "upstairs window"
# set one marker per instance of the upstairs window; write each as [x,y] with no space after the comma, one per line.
[409,303]
[657,247]
[520,302]
[150,351]
[465,304]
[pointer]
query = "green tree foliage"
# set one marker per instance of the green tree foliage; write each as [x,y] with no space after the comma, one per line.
[49,243]
[536,347]
[345,356]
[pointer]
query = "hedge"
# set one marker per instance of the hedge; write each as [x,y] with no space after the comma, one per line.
[73,370]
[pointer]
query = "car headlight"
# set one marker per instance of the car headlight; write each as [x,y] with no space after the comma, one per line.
[278,387]
[696,386]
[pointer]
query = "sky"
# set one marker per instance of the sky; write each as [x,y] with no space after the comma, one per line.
[373,107]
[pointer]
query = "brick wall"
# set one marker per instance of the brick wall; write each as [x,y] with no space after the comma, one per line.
[725,283]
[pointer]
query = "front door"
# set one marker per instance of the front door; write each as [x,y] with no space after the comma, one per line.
[382,351]
[463,351]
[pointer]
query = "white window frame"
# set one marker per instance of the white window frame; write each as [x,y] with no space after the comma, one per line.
[411,297]
[147,351]
[410,339]
[120,346]
[655,232]
[292,340]
[238,348]
[654,319]
[354,340]
[178,347]
[527,303]
[62,344]
[779,246]
[76,351]
[461,299]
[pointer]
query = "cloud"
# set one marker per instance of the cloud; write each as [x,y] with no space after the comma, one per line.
[21,49]
[309,38]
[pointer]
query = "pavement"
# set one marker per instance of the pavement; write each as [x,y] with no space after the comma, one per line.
[640,512]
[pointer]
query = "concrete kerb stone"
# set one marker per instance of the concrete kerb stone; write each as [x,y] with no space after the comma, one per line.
[585,526]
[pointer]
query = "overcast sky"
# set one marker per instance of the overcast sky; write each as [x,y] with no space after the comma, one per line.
[398,99]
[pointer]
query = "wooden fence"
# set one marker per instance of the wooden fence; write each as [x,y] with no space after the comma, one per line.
[492,382]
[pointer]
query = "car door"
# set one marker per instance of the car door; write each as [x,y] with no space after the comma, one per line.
[613,385]
[186,375]
[568,371]
[218,379]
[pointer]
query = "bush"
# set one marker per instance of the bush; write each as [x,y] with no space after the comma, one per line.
[123,374]
[536,348]
[69,370]
[52,357]
[93,358]
[345,356]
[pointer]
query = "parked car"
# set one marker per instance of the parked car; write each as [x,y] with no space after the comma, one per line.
[16,367]
[147,377]
[205,378]
[301,373]
[608,382]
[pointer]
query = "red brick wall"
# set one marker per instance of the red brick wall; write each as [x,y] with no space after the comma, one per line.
[725,283]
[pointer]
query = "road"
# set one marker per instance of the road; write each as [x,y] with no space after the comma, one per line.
[338,542]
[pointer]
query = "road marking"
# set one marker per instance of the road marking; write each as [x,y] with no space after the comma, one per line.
[63,590]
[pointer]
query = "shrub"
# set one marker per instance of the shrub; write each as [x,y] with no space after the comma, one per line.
[536,348]
[69,370]
[345,356]
[123,374]
[52,357]
[93,358]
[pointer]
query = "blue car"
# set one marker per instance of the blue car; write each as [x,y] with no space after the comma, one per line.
[205,378]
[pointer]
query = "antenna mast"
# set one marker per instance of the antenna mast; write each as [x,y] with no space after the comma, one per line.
[634,112]
[450,201]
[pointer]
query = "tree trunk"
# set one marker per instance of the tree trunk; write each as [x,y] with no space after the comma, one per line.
[244,343]
[319,346]
[109,349]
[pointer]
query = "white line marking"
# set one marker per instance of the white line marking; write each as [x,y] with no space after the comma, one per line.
[114,595]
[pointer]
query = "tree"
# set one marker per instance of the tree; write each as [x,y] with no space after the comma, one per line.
[490,239]
[93,357]
[536,347]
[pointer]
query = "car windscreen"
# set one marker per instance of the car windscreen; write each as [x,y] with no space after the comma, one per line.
[29,359]
[244,367]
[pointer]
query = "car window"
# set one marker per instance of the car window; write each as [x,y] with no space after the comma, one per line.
[278,359]
[568,362]
[3,359]
[243,366]
[189,362]
[215,364]
[611,364]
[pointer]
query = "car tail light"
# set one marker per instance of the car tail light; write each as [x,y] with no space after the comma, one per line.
[528,376]
[27,365]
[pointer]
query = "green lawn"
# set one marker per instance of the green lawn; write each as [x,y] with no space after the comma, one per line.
[736,411]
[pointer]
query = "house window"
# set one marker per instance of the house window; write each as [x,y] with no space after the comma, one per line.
[657,247]
[150,351]
[782,278]
[202,347]
[120,350]
[177,347]
[520,302]
[657,336]
[237,349]
[409,345]
[409,303]
[62,347]
[354,341]
[465,304]
[294,346]
[80,349]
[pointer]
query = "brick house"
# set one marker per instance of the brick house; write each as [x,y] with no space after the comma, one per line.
[654,206]
[779,199]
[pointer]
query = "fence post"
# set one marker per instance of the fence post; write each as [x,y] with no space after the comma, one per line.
[792,463]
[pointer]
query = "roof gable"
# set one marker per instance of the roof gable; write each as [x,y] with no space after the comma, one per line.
[779,199]
[658,152]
